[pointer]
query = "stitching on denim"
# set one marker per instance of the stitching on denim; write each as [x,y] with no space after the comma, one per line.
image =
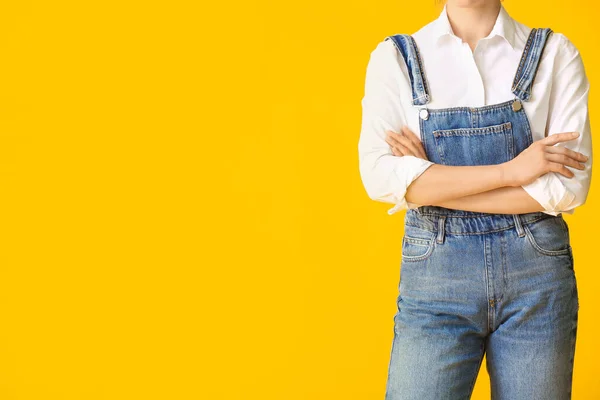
[420,97]
[423,137]
[477,232]
[522,60]
[527,125]
[503,266]
[486,254]
[422,257]
[417,241]
[440,149]
[540,41]
[419,258]
[524,56]
[510,143]
[542,250]
[535,62]
[531,55]
[479,131]
[405,45]
[466,109]
[538,59]
[421,71]
[396,39]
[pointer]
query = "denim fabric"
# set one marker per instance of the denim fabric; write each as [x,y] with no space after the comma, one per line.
[474,283]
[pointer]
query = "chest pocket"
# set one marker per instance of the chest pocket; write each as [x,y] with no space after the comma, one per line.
[487,145]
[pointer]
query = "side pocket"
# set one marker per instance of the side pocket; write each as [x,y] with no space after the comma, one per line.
[416,248]
[549,236]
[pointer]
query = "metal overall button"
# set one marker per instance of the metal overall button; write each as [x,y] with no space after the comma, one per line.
[516,105]
[424,114]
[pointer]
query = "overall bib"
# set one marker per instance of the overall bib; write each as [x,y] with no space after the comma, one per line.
[474,283]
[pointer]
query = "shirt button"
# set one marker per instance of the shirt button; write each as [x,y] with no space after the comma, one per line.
[424,114]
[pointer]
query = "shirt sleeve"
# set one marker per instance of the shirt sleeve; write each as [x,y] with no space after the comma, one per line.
[385,176]
[568,112]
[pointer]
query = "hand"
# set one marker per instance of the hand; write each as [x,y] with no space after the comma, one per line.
[405,143]
[543,157]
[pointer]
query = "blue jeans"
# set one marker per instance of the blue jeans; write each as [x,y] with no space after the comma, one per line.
[503,285]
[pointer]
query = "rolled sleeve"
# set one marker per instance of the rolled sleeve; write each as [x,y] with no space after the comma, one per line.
[385,176]
[568,112]
[550,192]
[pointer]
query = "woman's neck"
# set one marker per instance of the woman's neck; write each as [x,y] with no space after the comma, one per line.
[473,21]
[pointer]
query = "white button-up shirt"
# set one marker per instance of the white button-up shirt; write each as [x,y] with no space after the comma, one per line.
[457,77]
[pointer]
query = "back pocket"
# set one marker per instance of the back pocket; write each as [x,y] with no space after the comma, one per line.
[488,145]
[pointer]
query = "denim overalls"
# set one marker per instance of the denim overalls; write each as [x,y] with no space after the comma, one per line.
[474,283]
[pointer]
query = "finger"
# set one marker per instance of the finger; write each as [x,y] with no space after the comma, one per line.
[559,137]
[397,140]
[393,136]
[404,150]
[400,142]
[406,142]
[416,140]
[398,150]
[391,142]
[564,150]
[411,135]
[564,160]
[561,169]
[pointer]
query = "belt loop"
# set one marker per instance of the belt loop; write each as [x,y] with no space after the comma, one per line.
[519,225]
[441,229]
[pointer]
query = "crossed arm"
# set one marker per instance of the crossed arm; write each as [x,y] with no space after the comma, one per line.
[488,188]
[500,200]
[406,179]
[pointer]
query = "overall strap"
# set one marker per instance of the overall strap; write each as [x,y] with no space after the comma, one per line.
[530,60]
[408,48]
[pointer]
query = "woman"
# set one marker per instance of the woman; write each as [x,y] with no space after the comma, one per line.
[502,149]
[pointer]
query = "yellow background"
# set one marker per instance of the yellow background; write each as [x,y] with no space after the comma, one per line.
[182,213]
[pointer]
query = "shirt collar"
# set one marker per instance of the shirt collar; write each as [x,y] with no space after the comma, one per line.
[504,26]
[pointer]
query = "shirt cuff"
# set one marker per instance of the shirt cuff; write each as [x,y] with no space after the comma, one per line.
[417,167]
[550,192]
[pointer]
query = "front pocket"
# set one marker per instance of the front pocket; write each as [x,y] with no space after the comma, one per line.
[416,249]
[549,236]
[487,145]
